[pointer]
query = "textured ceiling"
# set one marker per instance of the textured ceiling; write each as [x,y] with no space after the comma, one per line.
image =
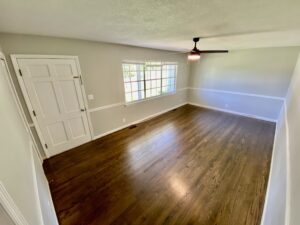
[164,24]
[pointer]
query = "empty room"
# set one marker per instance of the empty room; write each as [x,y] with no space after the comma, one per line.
[149,112]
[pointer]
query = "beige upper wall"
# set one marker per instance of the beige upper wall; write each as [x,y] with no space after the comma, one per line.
[265,71]
[101,65]
[100,62]
[251,82]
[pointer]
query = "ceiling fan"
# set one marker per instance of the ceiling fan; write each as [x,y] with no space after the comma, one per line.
[195,53]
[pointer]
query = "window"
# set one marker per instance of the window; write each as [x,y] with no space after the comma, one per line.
[149,79]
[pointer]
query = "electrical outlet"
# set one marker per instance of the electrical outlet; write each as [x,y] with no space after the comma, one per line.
[124,120]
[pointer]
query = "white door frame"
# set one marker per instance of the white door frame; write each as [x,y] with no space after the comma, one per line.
[15,57]
[10,207]
[6,201]
[17,100]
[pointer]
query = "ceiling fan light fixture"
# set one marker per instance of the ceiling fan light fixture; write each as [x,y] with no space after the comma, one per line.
[195,53]
[194,56]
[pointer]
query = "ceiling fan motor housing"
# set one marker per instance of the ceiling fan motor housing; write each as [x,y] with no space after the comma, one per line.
[196,39]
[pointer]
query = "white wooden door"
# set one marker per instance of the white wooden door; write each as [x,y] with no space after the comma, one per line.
[54,90]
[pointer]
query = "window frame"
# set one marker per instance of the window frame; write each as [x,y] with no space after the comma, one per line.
[160,64]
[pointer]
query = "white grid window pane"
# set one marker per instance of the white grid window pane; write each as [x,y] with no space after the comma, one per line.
[128,97]
[127,87]
[141,94]
[158,83]
[171,88]
[164,90]
[148,93]
[148,84]
[133,75]
[135,96]
[141,86]
[153,75]
[149,79]
[153,83]
[134,86]
[171,81]
[164,82]
[148,75]
[126,76]
[155,92]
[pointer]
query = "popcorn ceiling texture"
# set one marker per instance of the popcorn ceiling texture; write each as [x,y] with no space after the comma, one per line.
[159,24]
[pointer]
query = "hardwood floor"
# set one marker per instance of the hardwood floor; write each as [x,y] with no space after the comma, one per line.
[188,166]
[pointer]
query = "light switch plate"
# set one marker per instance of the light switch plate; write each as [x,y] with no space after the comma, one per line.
[90,97]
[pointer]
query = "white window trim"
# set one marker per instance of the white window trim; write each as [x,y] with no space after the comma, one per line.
[149,98]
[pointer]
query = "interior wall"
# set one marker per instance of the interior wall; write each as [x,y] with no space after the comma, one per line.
[293,131]
[252,82]
[283,198]
[17,170]
[275,201]
[102,74]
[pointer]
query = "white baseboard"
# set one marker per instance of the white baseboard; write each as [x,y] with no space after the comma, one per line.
[177,106]
[233,112]
[138,121]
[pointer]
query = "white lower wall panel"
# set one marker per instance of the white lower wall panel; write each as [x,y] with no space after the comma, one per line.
[118,116]
[267,108]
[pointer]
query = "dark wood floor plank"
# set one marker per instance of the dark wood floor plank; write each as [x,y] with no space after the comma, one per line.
[188,166]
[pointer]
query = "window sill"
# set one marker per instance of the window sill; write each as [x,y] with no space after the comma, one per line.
[148,99]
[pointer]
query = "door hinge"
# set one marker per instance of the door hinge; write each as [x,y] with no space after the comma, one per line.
[79,77]
[46,145]
[20,71]
[33,112]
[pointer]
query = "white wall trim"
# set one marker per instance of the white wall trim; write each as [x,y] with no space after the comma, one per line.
[34,56]
[288,157]
[10,207]
[18,103]
[139,121]
[233,112]
[151,98]
[238,93]
[106,107]
[91,128]
[35,183]
[128,104]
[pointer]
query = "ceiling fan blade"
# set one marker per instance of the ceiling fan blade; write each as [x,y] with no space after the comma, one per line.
[214,51]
